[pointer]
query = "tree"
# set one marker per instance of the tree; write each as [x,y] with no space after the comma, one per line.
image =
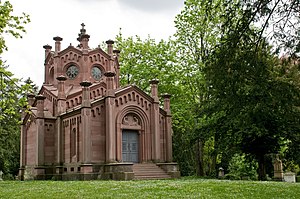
[11,93]
[258,106]
[199,27]
[143,60]
[243,102]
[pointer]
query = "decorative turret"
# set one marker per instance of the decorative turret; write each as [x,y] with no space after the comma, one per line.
[167,97]
[110,46]
[83,38]
[47,50]
[40,105]
[154,89]
[30,99]
[86,102]
[57,40]
[61,98]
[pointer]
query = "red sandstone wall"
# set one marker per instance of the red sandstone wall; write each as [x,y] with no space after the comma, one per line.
[162,138]
[49,143]
[98,134]
[31,144]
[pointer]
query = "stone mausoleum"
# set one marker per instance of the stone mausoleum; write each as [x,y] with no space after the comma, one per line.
[83,125]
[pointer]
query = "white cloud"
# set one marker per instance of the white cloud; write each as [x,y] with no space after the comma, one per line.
[103,18]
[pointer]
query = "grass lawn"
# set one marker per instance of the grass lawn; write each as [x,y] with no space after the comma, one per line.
[181,188]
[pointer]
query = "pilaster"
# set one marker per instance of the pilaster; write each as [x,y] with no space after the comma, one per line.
[109,119]
[169,154]
[86,122]
[46,73]
[40,125]
[155,122]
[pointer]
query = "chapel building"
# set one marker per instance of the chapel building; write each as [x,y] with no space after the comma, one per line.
[83,125]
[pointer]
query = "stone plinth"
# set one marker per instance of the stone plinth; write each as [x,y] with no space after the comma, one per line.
[118,171]
[171,168]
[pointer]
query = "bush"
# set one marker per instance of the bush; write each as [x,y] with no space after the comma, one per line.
[242,168]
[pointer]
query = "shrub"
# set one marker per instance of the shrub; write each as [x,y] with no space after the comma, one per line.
[242,167]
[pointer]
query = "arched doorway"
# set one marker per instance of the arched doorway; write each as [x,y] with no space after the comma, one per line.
[130,146]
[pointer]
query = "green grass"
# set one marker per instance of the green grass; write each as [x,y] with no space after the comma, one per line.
[182,188]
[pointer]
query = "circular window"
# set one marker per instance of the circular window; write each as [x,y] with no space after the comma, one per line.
[96,73]
[72,72]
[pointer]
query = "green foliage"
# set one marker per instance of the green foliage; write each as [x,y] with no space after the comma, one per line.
[144,60]
[241,167]
[10,24]
[12,102]
[12,93]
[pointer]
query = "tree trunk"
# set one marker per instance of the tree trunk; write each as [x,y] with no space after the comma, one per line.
[199,157]
[261,168]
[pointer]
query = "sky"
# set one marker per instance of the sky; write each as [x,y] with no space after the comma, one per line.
[103,20]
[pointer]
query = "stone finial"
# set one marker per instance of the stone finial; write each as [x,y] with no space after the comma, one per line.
[47,50]
[85,83]
[40,97]
[154,89]
[61,87]
[116,52]
[167,107]
[86,102]
[110,46]
[40,105]
[83,38]
[57,40]
[61,78]
[47,46]
[154,81]
[109,41]
[109,74]
[30,98]
[166,96]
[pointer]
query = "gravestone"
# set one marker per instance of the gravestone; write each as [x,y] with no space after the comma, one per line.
[289,177]
[278,172]
[1,173]
[221,173]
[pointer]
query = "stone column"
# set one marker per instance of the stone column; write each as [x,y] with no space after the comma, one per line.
[40,131]
[86,122]
[61,108]
[110,47]
[56,65]
[155,131]
[117,79]
[109,119]
[57,40]
[61,99]
[168,127]
[46,73]
[30,99]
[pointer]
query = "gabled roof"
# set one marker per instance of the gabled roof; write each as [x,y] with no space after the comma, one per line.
[69,49]
[131,88]
[99,50]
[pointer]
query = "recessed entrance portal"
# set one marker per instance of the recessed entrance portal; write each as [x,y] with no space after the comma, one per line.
[130,146]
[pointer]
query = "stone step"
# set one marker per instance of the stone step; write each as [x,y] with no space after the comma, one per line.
[149,171]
